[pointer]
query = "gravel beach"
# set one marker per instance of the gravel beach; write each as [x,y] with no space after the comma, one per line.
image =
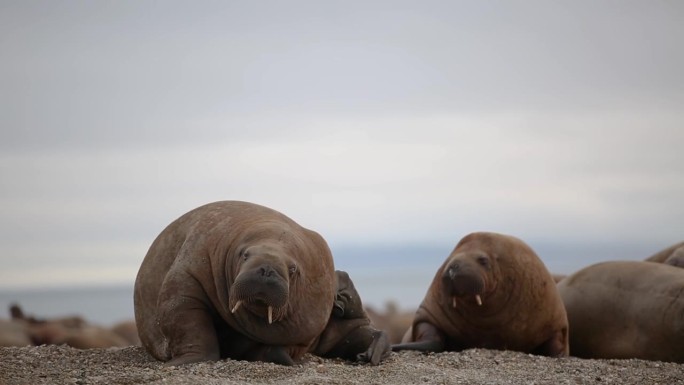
[132,365]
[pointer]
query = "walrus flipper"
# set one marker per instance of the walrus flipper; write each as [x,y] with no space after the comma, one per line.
[363,344]
[555,346]
[378,350]
[428,339]
[186,323]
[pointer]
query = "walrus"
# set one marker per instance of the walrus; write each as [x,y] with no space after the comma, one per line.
[626,309]
[237,280]
[492,292]
[673,255]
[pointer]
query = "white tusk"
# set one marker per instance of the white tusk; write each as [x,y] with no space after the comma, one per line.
[270,315]
[237,306]
[478,299]
[453,302]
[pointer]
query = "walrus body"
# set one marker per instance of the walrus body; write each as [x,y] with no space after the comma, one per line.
[627,309]
[673,255]
[234,280]
[491,292]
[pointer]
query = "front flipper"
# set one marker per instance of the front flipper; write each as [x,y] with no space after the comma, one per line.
[427,339]
[555,346]
[186,321]
[378,350]
[350,340]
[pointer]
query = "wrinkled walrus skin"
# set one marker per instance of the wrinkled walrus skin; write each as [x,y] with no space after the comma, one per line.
[235,280]
[626,309]
[492,292]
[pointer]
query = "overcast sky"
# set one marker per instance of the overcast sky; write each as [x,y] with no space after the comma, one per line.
[384,122]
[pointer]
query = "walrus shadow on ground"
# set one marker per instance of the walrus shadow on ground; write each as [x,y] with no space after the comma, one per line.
[492,292]
[237,280]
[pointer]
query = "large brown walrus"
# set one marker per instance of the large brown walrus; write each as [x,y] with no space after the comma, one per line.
[673,255]
[626,309]
[492,292]
[237,280]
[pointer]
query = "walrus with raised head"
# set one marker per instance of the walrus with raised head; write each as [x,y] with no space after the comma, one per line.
[673,255]
[492,292]
[626,309]
[237,280]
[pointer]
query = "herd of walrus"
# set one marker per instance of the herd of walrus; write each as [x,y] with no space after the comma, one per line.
[238,280]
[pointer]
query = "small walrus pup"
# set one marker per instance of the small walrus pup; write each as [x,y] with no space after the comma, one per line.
[237,280]
[492,292]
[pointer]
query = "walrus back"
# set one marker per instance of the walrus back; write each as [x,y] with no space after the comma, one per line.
[626,309]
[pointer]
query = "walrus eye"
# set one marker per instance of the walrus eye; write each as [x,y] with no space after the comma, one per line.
[293,269]
[245,255]
[483,261]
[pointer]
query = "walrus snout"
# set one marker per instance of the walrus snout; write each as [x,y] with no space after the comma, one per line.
[263,291]
[462,283]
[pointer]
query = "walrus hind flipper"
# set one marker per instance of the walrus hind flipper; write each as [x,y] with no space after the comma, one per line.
[363,345]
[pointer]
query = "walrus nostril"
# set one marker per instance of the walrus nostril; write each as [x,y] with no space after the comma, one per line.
[266,271]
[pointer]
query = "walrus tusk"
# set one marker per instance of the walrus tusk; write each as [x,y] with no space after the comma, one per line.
[237,306]
[478,299]
[270,315]
[453,302]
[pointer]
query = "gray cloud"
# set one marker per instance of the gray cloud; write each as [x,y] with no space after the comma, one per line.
[138,72]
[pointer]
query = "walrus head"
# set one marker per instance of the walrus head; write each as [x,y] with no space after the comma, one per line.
[347,301]
[262,284]
[467,276]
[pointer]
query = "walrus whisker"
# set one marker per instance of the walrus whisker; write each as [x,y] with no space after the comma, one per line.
[478,299]
[237,306]
[270,315]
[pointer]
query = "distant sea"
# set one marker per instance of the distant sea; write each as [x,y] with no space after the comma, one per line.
[380,274]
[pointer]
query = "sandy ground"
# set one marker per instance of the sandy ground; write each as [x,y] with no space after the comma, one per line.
[132,365]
